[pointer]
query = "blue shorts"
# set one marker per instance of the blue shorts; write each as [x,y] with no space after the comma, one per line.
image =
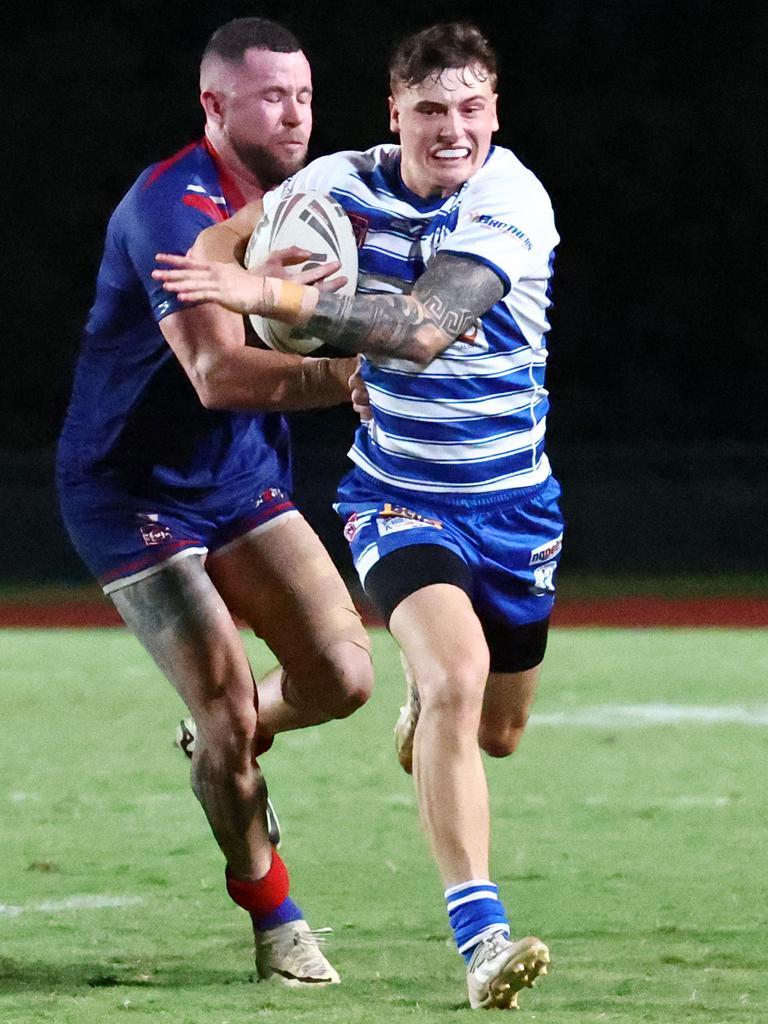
[123,538]
[511,548]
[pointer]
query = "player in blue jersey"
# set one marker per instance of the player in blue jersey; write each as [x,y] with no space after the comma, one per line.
[451,509]
[174,478]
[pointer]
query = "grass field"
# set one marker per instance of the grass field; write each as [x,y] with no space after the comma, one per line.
[629,833]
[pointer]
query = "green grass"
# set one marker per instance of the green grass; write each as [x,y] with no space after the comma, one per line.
[638,853]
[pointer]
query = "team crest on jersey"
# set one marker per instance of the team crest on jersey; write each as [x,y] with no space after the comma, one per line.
[547,551]
[472,340]
[359,227]
[486,221]
[394,518]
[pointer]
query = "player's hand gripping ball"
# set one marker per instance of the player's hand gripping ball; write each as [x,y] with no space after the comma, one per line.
[311,221]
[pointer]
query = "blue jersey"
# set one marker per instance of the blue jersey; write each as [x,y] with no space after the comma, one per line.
[470,427]
[134,420]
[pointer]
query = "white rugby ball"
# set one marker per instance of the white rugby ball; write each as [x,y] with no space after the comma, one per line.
[315,222]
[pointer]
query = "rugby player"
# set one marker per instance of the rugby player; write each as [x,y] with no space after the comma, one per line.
[173,475]
[451,509]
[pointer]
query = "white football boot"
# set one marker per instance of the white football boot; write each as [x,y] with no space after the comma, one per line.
[290,954]
[185,739]
[500,968]
[405,728]
[186,736]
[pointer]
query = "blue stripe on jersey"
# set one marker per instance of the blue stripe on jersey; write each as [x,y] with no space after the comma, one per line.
[450,387]
[378,261]
[461,434]
[497,486]
[550,282]
[465,430]
[452,470]
[399,220]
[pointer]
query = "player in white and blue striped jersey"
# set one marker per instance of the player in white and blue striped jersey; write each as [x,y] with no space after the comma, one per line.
[451,509]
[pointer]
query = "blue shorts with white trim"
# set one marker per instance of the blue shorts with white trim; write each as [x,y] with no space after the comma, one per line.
[512,548]
[123,538]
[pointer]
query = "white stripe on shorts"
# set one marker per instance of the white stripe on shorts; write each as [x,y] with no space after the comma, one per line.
[126,581]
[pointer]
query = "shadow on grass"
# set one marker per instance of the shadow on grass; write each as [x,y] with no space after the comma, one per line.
[38,975]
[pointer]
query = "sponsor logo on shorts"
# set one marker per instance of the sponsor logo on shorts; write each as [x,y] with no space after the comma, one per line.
[549,550]
[351,527]
[486,221]
[154,533]
[270,494]
[400,512]
[394,518]
[386,526]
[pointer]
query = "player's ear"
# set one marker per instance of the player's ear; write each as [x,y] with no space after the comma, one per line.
[394,116]
[212,104]
[495,101]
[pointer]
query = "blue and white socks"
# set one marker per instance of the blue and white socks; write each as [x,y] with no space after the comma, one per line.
[475,911]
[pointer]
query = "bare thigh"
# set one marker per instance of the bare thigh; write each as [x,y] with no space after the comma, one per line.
[442,642]
[284,585]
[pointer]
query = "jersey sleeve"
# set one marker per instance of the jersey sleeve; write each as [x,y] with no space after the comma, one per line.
[162,221]
[505,221]
[325,174]
[308,179]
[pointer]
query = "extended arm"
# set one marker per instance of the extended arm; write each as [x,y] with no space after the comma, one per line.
[452,293]
[209,342]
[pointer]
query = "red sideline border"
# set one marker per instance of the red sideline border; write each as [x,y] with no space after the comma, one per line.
[617,612]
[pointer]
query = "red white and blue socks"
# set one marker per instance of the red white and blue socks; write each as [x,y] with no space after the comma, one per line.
[266,899]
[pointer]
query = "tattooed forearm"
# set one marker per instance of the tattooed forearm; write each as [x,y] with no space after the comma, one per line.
[393,325]
[446,300]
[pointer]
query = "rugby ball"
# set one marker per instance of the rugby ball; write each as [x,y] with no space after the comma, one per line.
[311,221]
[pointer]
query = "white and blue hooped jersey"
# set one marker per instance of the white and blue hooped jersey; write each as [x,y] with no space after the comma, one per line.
[470,427]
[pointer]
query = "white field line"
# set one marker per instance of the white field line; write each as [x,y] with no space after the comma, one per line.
[674,803]
[638,716]
[71,903]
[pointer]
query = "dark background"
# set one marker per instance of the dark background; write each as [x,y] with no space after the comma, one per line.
[645,121]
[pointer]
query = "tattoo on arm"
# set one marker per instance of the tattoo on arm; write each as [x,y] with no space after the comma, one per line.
[446,300]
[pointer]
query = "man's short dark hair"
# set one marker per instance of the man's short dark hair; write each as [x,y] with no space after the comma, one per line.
[231,40]
[455,44]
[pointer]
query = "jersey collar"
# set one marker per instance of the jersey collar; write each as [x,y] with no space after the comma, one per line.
[424,204]
[229,187]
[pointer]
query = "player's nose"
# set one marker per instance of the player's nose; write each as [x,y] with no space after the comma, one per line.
[451,127]
[292,111]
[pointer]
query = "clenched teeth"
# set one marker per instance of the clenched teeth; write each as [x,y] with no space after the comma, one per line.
[451,154]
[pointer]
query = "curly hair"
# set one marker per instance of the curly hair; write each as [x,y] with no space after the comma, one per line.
[454,44]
